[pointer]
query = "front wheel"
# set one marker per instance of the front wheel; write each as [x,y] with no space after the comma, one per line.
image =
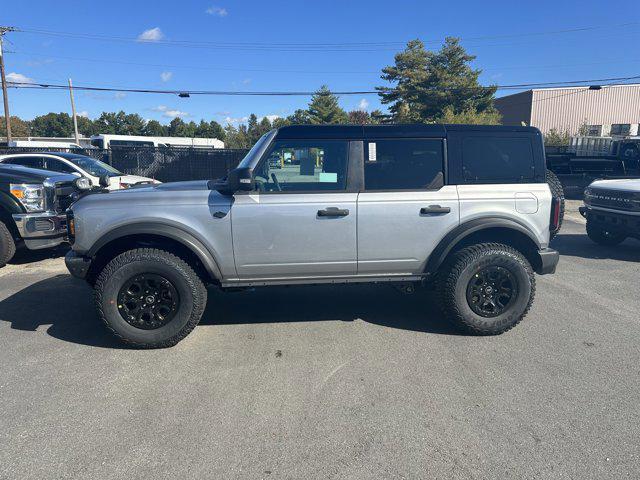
[7,245]
[486,289]
[149,298]
[604,237]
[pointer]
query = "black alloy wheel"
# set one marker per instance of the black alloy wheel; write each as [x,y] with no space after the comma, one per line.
[148,301]
[491,291]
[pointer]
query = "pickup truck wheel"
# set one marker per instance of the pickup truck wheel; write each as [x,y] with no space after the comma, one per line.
[7,245]
[149,298]
[557,192]
[486,289]
[603,236]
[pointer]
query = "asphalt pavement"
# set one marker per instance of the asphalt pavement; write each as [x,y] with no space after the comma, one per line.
[327,382]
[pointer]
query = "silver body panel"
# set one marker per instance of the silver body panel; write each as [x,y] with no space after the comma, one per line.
[278,238]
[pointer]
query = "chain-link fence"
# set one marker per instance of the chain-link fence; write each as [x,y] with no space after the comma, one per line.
[167,164]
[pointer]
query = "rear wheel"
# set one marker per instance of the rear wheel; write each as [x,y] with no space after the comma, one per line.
[7,245]
[557,192]
[604,237]
[149,298]
[486,289]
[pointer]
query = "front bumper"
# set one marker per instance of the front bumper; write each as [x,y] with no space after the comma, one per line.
[615,221]
[41,230]
[77,265]
[549,259]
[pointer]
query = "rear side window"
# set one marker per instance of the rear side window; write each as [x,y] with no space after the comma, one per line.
[31,162]
[404,164]
[488,159]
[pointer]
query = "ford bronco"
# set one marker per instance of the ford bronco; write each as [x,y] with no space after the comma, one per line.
[467,208]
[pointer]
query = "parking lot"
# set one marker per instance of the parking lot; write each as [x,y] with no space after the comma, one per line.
[328,382]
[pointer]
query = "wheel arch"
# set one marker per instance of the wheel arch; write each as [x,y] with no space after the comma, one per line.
[481,230]
[156,235]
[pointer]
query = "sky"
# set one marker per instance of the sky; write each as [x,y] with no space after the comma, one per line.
[257,45]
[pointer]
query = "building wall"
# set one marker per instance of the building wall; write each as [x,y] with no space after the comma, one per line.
[515,109]
[569,108]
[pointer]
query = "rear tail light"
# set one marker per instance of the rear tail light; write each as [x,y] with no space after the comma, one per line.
[555,214]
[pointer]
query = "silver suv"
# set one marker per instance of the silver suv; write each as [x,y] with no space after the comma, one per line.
[467,208]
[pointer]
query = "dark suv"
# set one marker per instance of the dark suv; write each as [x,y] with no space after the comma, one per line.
[32,208]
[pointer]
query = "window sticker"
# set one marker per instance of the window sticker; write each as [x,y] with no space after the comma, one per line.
[328,177]
[372,152]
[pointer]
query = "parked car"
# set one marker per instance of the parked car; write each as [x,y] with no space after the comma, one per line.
[465,207]
[78,165]
[32,208]
[612,210]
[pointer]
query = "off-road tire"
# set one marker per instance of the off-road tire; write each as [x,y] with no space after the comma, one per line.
[7,245]
[462,266]
[191,290]
[604,237]
[557,192]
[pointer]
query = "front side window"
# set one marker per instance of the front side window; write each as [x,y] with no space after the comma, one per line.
[497,159]
[302,166]
[404,164]
[59,166]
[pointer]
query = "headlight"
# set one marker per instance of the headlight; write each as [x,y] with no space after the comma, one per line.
[31,196]
[82,183]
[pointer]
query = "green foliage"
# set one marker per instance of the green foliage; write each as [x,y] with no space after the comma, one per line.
[325,109]
[557,138]
[52,125]
[19,128]
[429,84]
[155,129]
[471,117]
[361,117]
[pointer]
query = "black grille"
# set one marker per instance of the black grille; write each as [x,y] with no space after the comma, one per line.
[64,196]
[614,199]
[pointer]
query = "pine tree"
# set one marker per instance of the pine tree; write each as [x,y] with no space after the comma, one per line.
[430,84]
[324,108]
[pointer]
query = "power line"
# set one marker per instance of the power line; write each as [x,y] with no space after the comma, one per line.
[184,93]
[306,47]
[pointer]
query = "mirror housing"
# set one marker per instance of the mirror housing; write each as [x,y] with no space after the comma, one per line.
[237,180]
[103,181]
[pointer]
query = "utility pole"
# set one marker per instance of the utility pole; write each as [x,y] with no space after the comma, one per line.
[73,112]
[5,97]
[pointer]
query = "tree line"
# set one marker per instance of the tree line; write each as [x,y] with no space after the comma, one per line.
[424,87]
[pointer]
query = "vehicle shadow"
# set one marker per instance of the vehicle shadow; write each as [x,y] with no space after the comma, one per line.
[579,245]
[65,305]
[24,255]
[377,304]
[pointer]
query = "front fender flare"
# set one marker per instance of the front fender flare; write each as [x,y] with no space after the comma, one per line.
[162,230]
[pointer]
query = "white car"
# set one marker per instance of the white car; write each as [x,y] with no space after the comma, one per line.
[76,164]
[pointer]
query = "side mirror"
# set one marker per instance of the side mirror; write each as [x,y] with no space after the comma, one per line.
[238,180]
[103,181]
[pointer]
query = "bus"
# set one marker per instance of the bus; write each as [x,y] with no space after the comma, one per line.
[107,141]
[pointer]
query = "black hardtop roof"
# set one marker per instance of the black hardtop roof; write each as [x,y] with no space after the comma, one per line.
[389,131]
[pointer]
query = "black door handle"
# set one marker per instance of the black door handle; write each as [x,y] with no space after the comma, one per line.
[333,212]
[434,209]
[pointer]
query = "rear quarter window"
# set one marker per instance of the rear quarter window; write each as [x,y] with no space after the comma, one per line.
[487,159]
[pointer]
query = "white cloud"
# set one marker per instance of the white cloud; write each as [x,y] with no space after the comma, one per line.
[217,11]
[235,121]
[246,81]
[166,76]
[363,105]
[151,35]
[174,114]
[169,113]
[271,118]
[120,95]
[39,63]
[83,113]
[18,78]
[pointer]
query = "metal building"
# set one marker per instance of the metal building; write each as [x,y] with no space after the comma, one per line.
[609,110]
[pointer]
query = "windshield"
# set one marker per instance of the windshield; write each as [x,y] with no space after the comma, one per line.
[250,158]
[95,167]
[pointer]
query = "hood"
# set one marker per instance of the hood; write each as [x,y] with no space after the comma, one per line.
[129,180]
[623,184]
[20,174]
